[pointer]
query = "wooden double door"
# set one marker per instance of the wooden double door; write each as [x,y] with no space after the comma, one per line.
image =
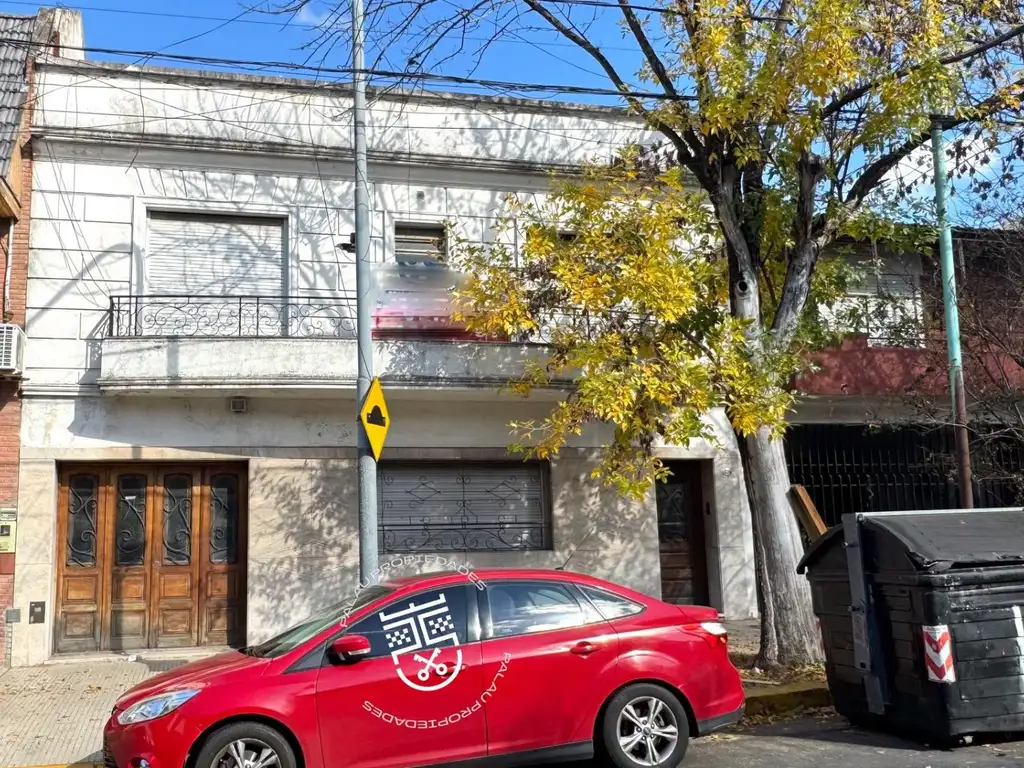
[151,556]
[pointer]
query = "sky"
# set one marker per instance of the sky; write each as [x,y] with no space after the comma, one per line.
[248,30]
[236,30]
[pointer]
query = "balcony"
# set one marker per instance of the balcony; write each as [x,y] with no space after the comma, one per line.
[244,344]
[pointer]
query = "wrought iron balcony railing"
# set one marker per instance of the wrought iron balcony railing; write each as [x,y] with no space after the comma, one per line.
[169,316]
[298,317]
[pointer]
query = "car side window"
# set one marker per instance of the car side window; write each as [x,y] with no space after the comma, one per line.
[416,621]
[611,606]
[523,608]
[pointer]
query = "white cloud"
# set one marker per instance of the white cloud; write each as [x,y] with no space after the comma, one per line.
[309,15]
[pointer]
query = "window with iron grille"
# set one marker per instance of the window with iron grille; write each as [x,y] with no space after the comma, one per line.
[463,506]
[420,243]
[890,308]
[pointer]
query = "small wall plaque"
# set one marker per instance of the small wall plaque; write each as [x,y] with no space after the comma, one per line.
[12,615]
[36,612]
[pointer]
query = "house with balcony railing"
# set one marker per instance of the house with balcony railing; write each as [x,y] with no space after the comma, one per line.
[188,471]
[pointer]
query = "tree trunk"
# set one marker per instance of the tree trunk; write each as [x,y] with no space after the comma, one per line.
[789,634]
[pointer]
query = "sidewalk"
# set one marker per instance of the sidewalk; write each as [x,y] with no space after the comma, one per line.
[54,714]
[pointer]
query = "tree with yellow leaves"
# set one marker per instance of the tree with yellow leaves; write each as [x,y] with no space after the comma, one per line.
[694,278]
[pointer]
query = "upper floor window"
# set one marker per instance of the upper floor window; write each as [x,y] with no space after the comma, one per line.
[202,254]
[420,243]
[212,275]
[889,304]
[463,507]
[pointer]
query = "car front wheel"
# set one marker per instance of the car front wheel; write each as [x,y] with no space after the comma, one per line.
[645,726]
[246,745]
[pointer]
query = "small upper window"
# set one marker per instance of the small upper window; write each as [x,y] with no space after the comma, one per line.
[420,243]
[611,606]
[523,608]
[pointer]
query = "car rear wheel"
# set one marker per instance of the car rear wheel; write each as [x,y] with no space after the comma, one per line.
[645,726]
[246,745]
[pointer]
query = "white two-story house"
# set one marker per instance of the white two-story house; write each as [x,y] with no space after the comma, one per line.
[188,472]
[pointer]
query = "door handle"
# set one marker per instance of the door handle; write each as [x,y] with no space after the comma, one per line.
[583,648]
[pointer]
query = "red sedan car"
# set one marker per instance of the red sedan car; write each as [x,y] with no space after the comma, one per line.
[513,666]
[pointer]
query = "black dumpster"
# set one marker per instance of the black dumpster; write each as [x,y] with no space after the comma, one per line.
[922,618]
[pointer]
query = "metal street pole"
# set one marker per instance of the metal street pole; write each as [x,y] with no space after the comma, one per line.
[956,373]
[367,464]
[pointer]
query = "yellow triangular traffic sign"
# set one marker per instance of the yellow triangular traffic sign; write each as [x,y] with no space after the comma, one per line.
[375,418]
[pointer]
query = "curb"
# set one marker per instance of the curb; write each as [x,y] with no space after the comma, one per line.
[765,700]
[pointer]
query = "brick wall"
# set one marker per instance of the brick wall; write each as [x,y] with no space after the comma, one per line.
[10,399]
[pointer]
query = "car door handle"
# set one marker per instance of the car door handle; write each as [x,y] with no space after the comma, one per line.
[583,648]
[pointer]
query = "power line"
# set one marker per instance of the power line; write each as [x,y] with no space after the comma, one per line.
[207,115]
[651,9]
[248,127]
[280,25]
[385,74]
[163,14]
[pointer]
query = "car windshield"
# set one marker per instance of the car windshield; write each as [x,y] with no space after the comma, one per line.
[309,628]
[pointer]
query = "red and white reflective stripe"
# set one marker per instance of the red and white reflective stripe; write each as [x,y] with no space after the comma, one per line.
[938,654]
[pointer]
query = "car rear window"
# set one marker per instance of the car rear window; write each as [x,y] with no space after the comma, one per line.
[609,605]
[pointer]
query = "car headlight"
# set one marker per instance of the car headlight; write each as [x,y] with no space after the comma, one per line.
[155,706]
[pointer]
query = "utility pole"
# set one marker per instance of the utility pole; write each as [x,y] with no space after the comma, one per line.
[367,463]
[952,314]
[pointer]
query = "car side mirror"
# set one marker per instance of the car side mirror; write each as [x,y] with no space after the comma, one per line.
[350,647]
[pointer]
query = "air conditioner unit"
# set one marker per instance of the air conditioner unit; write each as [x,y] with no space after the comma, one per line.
[12,349]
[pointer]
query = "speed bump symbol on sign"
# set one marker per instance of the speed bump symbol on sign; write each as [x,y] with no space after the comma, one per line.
[375,418]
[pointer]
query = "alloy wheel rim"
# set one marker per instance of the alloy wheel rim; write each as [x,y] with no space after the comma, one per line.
[246,753]
[647,730]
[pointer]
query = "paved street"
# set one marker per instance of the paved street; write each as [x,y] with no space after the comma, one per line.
[52,715]
[831,742]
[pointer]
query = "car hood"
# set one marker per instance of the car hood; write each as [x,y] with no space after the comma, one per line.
[199,674]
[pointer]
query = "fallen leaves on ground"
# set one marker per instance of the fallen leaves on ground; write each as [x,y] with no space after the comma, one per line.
[744,662]
[800,713]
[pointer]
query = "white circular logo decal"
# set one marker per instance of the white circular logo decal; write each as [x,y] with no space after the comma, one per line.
[424,643]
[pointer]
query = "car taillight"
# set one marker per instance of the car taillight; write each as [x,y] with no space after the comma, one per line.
[714,633]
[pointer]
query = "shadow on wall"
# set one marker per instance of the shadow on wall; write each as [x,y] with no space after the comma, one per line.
[303,540]
[614,538]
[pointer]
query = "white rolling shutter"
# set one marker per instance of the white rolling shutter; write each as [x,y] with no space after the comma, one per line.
[213,275]
[214,255]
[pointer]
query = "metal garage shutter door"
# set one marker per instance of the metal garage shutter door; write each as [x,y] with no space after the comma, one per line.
[197,258]
[439,507]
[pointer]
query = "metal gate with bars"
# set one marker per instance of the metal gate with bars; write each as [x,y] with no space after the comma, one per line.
[858,468]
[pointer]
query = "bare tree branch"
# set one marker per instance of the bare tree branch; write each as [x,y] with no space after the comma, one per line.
[857,93]
[685,153]
[656,64]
